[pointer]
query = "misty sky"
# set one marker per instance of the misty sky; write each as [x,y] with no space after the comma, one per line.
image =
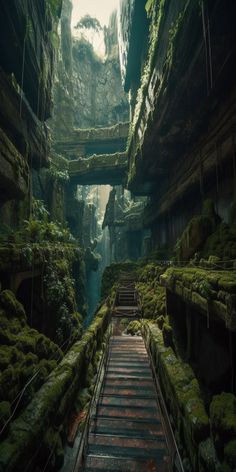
[100,9]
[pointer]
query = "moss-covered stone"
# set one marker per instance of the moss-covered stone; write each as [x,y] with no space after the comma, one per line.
[223,421]
[23,352]
[152,295]
[230,454]
[160,321]
[134,328]
[167,332]
[211,292]
[12,305]
[182,393]
[207,458]
[222,243]
[45,407]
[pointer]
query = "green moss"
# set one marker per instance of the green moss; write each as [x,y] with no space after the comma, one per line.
[230,453]
[207,457]
[52,445]
[134,327]
[153,298]
[223,419]
[11,304]
[167,332]
[222,243]
[160,321]
[182,393]
[5,412]
[60,300]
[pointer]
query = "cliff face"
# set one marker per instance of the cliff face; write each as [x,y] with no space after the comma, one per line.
[181,141]
[99,98]
[62,119]
[26,74]
[87,91]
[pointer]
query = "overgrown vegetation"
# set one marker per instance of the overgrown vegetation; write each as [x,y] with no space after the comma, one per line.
[37,229]
[25,354]
[61,307]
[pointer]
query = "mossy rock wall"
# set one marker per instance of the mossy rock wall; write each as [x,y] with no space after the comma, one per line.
[212,293]
[48,406]
[223,426]
[25,355]
[152,294]
[182,395]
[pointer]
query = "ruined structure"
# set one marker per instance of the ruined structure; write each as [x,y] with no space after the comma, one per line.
[154,119]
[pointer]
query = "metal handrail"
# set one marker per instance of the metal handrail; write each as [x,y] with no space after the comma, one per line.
[172,445]
[83,445]
[171,441]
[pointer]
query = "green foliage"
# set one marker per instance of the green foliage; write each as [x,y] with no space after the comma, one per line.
[88,22]
[39,212]
[83,50]
[60,300]
[56,174]
[37,229]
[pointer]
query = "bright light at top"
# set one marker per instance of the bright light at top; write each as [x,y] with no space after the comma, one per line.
[100,9]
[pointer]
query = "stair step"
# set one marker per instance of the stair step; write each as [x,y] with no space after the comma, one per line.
[124,427]
[127,401]
[127,443]
[158,451]
[132,383]
[127,412]
[128,391]
[129,363]
[112,464]
[126,432]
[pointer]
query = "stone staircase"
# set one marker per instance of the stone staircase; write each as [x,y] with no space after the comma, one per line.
[126,431]
[126,304]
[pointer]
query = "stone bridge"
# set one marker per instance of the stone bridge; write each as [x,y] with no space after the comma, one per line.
[104,169]
[86,142]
